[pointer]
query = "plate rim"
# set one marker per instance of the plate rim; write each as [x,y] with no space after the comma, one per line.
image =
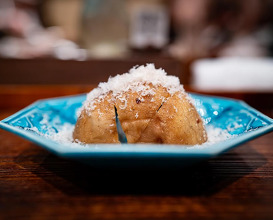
[181,151]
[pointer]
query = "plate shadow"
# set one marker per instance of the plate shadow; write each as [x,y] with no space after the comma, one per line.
[203,179]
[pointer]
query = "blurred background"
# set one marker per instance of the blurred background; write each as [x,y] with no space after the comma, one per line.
[219,47]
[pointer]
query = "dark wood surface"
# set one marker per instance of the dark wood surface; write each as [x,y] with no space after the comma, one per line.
[35,184]
[52,71]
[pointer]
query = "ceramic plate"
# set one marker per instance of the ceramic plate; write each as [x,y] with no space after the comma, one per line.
[43,117]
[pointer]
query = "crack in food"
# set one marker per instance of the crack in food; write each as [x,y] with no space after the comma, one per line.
[121,135]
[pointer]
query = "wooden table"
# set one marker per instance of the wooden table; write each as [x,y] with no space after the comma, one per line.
[35,184]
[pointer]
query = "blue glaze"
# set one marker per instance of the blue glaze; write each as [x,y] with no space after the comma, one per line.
[45,116]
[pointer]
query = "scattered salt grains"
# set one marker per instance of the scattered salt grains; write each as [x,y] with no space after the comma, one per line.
[234,126]
[190,99]
[78,112]
[124,101]
[45,119]
[136,80]
[64,136]
[216,135]
[141,99]
[100,113]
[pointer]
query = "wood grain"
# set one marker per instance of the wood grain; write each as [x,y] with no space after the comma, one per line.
[52,71]
[35,184]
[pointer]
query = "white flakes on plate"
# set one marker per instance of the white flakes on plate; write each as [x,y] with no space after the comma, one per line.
[64,136]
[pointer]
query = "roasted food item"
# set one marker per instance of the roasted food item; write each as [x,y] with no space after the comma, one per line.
[152,107]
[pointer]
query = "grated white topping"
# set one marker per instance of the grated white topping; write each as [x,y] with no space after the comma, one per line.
[137,80]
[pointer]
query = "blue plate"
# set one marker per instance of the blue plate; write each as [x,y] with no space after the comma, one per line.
[236,117]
